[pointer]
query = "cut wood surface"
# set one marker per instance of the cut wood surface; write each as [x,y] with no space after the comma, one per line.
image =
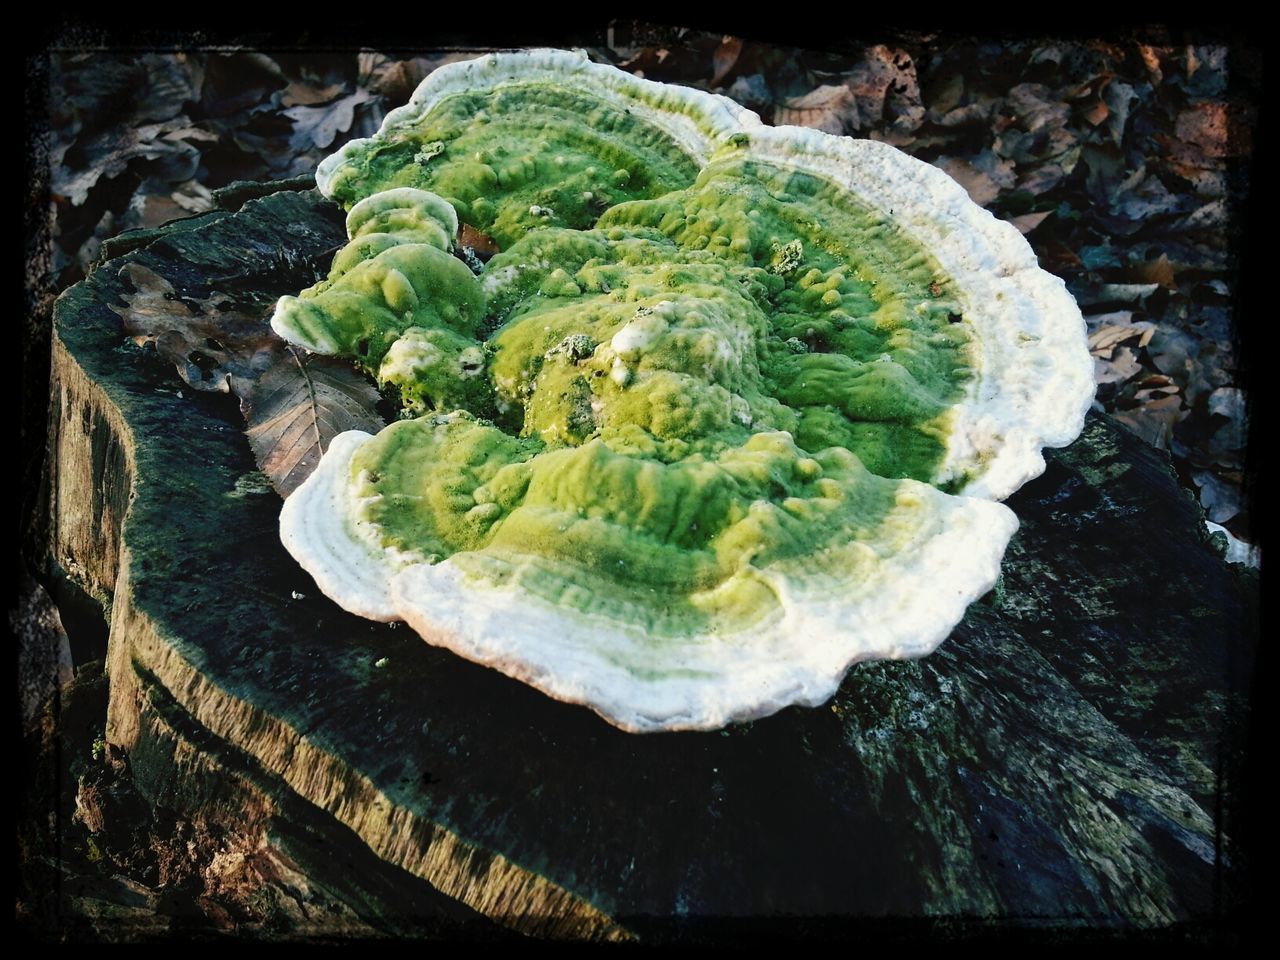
[1062,756]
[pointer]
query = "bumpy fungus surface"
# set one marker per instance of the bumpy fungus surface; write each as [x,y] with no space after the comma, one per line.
[689,445]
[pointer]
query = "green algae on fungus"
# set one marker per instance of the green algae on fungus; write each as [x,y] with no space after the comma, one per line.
[698,428]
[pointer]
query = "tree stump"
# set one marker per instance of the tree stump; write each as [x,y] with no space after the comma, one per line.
[1061,757]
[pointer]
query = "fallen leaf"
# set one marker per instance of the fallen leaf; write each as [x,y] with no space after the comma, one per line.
[1034,107]
[1221,500]
[970,113]
[215,346]
[1148,199]
[831,107]
[1099,256]
[152,210]
[299,94]
[481,244]
[239,82]
[724,58]
[170,85]
[1147,394]
[1177,355]
[320,126]
[1205,125]
[1117,293]
[752,92]
[192,133]
[1227,402]
[1154,421]
[296,409]
[1029,221]
[108,154]
[1055,253]
[945,96]
[1045,176]
[1212,216]
[1118,96]
[1106,339]
[1206,67]
[1122,366]
[1155,271]
[982,189]
[397,79]
[1151,60]
[1096,321]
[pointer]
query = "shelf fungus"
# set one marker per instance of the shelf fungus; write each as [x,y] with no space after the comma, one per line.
[730,410]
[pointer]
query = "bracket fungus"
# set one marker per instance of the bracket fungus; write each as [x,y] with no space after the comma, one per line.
[730,410]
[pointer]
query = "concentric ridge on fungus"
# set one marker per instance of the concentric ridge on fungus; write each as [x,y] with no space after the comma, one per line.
[729,412]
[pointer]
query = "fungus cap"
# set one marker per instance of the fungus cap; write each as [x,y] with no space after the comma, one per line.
[728,412]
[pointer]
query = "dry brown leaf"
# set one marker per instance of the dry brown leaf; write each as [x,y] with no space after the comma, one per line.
[1055,253]
[481,244]
[1154,421]
[945,96]
[1104,340]
[304,95]
[1116,292]
[1118,96]
[1151,60]
[1205,125]
[1221,500]
[1227,402]
[1096,113]
[829,108]
[1155,271]
[109,153]
[1045,176]
[1212,215]
[982,189]
[723,60]
[397,79]
[320,126]
[152,210]
[886,90]
[1122,366]
[1029,221]
[296,409]
[215,346]
[970,113]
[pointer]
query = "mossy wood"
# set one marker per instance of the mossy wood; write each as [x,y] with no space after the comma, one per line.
[1060,756]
